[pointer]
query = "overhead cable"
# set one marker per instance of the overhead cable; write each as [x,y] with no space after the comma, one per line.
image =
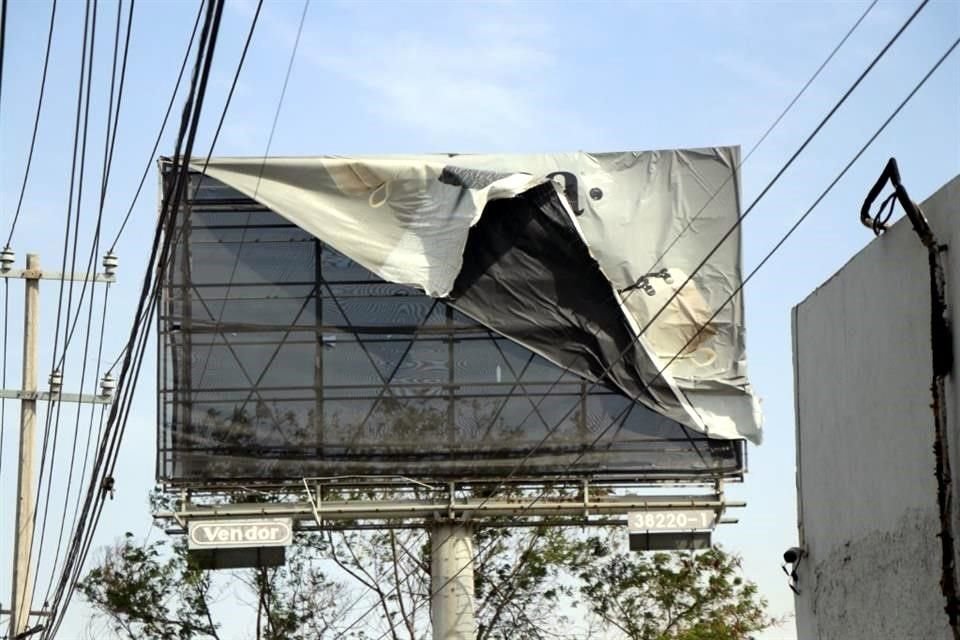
[113,118]
[3,42]
[732,229]
[163,126]
[716,192]
[94,498]
[283,93]
[109,143]
[87,50]
[119,412]
[764,136]
[776,246]
[36,122]
[736,225]
[266,152]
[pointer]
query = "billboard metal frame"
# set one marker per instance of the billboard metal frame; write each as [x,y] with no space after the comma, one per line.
[458,481]
[220,486]
[346,504]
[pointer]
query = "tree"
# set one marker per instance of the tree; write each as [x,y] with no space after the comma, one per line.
[520,582]
[679,596]
[523,578]
[155,591]
[148,596]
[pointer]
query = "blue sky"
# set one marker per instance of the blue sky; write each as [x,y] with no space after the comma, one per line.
[388,77]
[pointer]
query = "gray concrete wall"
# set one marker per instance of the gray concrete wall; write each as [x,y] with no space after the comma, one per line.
[867,507]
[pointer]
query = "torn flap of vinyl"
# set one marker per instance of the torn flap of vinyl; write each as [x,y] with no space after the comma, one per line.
[570,255]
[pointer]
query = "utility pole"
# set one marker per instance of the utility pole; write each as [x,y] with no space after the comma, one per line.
[23,534]
[22,588]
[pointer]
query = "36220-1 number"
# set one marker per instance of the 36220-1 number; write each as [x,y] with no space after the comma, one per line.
[673,520]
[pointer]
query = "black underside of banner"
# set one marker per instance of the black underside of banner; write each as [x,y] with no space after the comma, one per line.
[528,275]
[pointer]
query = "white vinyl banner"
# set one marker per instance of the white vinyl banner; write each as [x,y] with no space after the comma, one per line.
[648,219]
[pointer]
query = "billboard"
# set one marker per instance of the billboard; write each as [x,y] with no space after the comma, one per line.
[450,317]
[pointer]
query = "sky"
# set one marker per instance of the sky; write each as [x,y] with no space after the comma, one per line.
[411,77]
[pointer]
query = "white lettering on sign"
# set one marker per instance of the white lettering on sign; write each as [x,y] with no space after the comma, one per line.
[685,520]
[215,534]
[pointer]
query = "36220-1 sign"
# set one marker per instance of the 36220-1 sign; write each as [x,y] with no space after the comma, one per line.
[671,520]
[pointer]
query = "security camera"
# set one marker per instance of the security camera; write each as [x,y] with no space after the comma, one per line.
[793,555]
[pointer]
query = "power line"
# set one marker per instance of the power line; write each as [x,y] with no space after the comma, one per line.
[119,411]
[716,192]
[233,86]
[113,117]
[696,216]
[76,433]
[57,406]
[266,152]
[216,135]
[36,120]
[116,360]
[126,349]
[84,530]
[180,188]
[739,288]
[776,247]
[283,93]
[86,449]
[3,42]
[730,177]
[729,232]
[736,225]
[80,185]
[136,346]
[163,126]
[759,266]
[220,123]
[766,133]
[808,211]
[88,31]
[109,145]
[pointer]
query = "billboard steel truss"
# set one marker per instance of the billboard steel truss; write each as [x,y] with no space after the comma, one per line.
[358,503]
[282,359]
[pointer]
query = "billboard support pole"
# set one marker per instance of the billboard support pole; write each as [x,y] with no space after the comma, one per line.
[451,580]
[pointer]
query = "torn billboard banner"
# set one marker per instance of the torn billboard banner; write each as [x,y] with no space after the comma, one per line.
[569,255]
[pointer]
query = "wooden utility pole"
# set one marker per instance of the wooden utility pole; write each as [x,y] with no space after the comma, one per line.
[21,597]
[23,534]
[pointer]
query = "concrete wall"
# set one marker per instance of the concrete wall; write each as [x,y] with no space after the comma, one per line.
[867,501]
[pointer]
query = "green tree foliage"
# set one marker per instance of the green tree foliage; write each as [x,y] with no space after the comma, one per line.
[155,591]
[543,581]
[148,594]
[677,596]
[520,582]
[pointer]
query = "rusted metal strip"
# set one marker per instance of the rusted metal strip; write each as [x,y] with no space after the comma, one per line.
[941,346]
